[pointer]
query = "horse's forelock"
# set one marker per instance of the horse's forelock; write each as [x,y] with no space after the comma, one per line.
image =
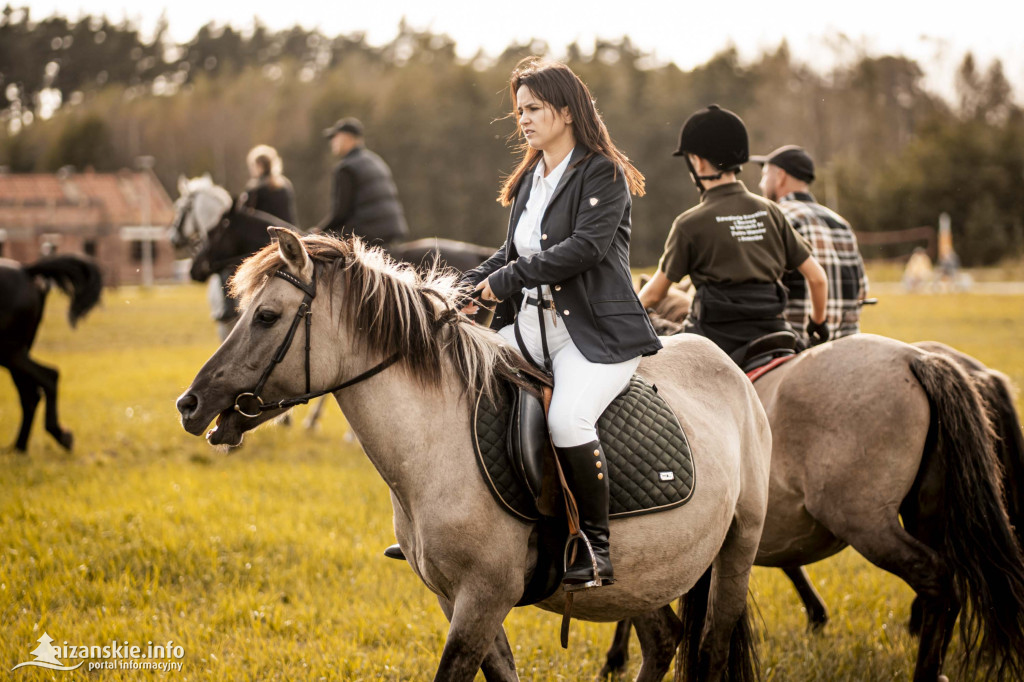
[253,273]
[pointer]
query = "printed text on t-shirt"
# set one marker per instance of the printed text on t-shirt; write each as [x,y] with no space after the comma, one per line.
[745,228]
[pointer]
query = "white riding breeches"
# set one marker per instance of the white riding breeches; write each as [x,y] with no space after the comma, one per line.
[583,389]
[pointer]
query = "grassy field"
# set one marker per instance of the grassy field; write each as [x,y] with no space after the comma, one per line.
[264,563]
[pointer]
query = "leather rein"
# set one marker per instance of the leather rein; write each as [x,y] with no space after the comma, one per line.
[250,404]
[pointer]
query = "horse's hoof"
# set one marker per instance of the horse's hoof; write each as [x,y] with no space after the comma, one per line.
[611,671]
[66,440]
[943,678]
[817,626]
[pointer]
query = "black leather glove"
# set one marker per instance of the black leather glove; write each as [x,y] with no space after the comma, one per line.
[817,331]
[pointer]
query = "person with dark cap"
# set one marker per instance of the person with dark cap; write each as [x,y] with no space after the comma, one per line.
[786,176]
[734,245]
[364,199]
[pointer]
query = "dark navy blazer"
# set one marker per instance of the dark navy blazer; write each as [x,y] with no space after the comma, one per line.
[584,258]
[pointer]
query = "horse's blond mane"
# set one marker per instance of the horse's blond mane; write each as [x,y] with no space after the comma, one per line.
[394,308]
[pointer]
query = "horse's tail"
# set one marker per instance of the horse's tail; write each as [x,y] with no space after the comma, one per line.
[693,612]
[998,392]
[743,664]
[76,276]
[979,545]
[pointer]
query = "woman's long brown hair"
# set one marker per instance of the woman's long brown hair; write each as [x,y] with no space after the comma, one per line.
[557,86]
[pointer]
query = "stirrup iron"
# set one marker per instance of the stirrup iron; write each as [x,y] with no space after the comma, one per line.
[598,581]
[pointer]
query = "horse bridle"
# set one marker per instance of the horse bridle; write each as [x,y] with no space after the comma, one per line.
[179,221]
[304,312]
[187,209]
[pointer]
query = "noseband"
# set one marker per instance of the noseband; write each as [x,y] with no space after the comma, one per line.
[249,404]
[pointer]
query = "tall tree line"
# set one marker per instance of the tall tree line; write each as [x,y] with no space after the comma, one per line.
[891,154]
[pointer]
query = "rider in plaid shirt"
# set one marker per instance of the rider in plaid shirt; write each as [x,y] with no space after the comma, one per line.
[786,176]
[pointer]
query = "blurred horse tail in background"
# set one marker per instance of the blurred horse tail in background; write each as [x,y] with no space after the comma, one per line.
[21,310]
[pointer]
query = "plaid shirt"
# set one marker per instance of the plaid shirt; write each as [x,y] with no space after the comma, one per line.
[834,245]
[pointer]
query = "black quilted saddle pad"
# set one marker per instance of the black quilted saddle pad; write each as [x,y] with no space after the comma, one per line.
[650,467]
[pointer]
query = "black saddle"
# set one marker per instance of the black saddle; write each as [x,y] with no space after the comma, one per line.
[650,467]
[764,349]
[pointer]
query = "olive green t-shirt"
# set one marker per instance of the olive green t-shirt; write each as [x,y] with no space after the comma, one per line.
[732,237]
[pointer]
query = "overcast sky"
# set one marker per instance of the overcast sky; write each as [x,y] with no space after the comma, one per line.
[681,31]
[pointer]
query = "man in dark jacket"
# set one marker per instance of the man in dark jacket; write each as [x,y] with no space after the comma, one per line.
[364,199]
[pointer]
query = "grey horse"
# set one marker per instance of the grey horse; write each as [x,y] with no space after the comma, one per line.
[366,310]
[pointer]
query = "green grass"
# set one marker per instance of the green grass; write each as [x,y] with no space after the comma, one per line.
[264,563]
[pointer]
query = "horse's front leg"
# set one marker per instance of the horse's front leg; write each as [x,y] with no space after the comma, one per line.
[476,639]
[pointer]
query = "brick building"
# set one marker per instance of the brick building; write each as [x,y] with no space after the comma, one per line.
[118,219]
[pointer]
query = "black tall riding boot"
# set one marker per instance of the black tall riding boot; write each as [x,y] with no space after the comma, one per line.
[586,472]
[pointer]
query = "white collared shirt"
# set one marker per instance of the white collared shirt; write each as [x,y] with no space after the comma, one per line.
[527,237]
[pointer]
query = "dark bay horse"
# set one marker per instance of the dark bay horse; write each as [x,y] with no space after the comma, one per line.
[24,289]
[239,233]
[218,234]
[380,334]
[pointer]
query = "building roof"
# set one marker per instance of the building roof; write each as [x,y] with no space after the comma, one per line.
[68,200]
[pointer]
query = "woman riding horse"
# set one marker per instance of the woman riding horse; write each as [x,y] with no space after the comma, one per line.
[564,274]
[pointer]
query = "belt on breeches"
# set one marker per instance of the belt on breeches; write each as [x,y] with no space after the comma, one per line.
[541,304]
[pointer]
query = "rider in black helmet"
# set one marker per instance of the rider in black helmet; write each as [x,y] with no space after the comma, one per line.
[718,136]
[734,245]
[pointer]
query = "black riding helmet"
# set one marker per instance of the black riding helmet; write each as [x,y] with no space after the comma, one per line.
[718,135]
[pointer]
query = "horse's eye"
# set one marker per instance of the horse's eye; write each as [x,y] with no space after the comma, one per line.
[266,317]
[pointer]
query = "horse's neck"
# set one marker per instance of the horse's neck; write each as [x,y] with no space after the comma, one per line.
[417,438]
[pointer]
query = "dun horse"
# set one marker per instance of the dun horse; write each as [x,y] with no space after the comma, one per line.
[885,447]
[364,311]
[21,310]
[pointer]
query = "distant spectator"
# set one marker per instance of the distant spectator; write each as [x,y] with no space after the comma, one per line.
[918,273]
[786,176]
[268,190]
[364,199]
[948,276]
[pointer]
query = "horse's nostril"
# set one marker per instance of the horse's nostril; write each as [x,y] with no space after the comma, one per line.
[187,404]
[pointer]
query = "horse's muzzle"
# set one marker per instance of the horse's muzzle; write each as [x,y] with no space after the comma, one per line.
[188,408]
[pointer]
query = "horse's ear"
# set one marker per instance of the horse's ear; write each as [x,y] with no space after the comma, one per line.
[182,185]
[292,251]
